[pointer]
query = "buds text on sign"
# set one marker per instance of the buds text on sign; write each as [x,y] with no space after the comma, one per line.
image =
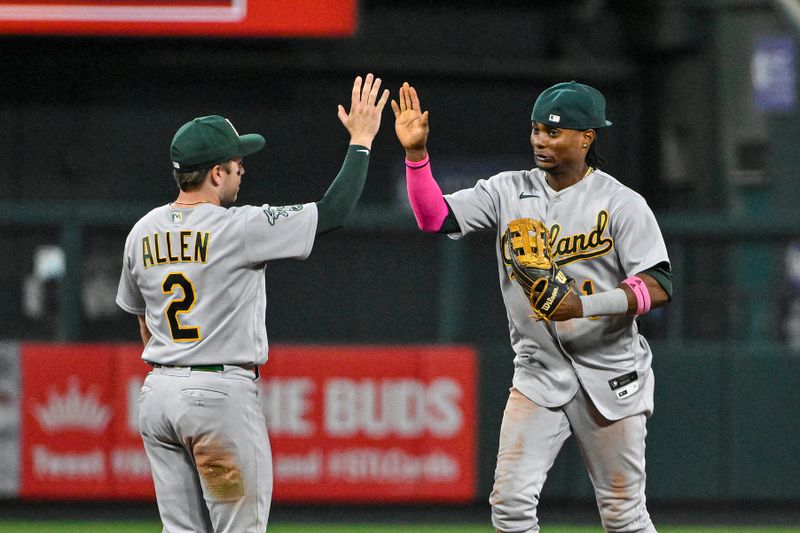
[372,407]
[371,424]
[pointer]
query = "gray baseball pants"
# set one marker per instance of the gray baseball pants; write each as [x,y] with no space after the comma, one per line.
[206,439]
[531,437]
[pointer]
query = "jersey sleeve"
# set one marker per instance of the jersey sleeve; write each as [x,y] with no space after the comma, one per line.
[129,296]
[279,232]
[638,237]
[475,209]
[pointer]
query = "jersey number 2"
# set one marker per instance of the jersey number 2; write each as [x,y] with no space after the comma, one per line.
[180,305]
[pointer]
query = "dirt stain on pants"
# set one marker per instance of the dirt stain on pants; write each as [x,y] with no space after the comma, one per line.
[219,470]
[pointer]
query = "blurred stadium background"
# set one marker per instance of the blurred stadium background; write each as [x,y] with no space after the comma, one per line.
[703,96]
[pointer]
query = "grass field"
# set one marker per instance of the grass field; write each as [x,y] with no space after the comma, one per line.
[151,527]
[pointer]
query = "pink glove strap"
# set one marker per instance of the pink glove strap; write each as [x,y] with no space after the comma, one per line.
[639,288]
[425,196]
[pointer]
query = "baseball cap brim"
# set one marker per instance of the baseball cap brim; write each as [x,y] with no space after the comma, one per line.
[250,143]
[579,127]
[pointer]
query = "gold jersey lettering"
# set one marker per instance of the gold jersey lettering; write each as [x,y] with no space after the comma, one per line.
[181,247]
[201,247]
[147,252]
[581,245]
[172,258]
[185,257]
[159,258]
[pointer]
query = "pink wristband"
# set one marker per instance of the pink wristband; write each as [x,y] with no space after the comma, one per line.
[425,196]
[639,288]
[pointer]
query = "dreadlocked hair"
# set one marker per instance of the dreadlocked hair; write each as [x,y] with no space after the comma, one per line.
[593,157]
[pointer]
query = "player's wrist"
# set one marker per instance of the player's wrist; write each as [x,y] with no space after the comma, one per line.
[358,147]
[416,155]
[418,165]
[361,140]
[613,302]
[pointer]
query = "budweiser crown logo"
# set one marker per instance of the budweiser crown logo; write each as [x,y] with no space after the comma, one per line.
[72,410]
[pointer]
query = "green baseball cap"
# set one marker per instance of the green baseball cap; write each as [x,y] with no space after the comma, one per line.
[571,105]
[207,141]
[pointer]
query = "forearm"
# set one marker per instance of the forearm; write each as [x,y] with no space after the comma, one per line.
[655,292]
[636,295]
[339,201]
[424,194]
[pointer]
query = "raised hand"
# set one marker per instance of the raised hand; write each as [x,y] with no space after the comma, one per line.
[410,123]
[364,119]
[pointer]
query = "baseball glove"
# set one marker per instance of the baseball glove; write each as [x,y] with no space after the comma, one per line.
[528,248]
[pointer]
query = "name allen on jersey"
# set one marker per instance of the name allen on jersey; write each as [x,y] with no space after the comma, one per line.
[175,247]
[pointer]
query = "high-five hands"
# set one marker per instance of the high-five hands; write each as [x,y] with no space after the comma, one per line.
[410,123]
[364,119]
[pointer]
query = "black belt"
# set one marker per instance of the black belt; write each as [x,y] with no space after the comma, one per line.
[205,368]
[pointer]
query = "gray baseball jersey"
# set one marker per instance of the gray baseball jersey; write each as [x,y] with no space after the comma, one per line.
[601,233]
[198,277]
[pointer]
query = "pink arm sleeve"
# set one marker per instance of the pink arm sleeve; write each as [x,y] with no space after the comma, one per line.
[425,196]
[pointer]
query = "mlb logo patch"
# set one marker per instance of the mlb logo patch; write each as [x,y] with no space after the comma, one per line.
[177,218]
[555,118]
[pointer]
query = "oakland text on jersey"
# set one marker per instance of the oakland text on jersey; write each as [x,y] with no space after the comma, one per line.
[175,247]
[574,247]
[581,245]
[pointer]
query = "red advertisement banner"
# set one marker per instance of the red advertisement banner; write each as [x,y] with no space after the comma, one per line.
[79,434]
[66,418]
[233,18]
[366,424]
[350,423]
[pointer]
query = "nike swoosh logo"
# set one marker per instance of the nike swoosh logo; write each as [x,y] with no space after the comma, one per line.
[363,151]
[523,195]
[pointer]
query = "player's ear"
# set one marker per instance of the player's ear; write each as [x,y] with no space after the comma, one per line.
[215,175]
[588,137]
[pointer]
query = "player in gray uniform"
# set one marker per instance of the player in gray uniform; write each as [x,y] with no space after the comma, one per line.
[587,370]
[194,274]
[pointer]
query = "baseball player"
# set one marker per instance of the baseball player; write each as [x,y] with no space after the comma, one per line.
[581,368]
[194,274]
